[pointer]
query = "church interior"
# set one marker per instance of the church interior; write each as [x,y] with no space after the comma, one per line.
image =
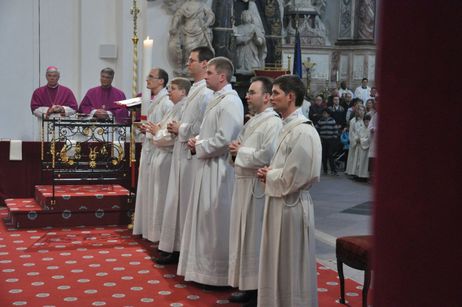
[380,241]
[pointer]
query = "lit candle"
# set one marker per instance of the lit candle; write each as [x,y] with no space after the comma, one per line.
[147,63]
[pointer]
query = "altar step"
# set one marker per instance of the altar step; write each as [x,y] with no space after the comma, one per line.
[73,205]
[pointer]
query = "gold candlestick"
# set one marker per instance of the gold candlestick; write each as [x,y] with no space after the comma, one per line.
[135,11]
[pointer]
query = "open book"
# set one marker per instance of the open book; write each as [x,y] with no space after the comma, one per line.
[130,102]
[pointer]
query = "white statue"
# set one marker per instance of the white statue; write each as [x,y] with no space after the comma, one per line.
[250,45]
[189,29]
[299,5]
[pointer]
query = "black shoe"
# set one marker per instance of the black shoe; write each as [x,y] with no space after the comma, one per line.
[213,288]
[243,296]
[252,303]
[171,258]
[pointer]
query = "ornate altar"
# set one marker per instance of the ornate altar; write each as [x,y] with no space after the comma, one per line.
[85,151]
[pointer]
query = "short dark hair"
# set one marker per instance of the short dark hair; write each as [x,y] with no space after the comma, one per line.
[356,101]
[223,65]
[292,83]
[267,83]
[182,83]
[203,53]
[365,79]
[163,75]
[109,71]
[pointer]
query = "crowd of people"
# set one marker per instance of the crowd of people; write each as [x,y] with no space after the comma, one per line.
[347,124]
[227,201]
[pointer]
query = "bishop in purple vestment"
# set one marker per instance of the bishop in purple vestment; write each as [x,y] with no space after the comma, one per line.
[53,98]
[99,101]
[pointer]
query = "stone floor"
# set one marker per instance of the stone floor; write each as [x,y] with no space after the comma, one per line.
[342,207]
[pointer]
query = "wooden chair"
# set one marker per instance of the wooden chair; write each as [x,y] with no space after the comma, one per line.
[354,251]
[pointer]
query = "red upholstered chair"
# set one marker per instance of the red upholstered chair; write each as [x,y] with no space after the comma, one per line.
[355,252]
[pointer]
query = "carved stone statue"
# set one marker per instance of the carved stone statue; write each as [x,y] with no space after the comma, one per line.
[250,45]
[189,29]
[301,5]
[366,19]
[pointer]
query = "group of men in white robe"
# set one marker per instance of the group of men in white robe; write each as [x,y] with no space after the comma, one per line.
[361,136]
[229,202]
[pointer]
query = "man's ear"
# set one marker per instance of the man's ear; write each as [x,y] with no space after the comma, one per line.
[291,97]
[266,97]
[222,77]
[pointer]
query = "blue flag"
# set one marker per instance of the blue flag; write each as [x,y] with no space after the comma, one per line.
[297,69]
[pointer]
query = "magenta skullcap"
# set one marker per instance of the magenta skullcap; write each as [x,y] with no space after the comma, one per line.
[52,69]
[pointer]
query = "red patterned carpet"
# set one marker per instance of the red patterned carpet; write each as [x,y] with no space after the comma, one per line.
[106,266]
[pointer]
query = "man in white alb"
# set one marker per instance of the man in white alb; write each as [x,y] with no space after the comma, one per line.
[159,106]
[287,272]
[182,169]
[162,157]
[363,92]
[253,149]
[204,247]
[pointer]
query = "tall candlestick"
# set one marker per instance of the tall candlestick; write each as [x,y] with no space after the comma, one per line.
[147,62]
[336,76]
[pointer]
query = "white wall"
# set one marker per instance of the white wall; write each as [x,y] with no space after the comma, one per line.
[68,34]
[19,66]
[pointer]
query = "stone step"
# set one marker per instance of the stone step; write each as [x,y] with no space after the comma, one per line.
[76,205]
[83,197]
[34,219]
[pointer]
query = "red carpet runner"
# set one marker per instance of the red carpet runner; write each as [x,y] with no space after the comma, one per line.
[106,266]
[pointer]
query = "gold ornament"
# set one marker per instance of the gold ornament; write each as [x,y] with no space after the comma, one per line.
[86,131]
[63,154]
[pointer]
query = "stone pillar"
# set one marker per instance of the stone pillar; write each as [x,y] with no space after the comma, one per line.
[365,20]
[222,28]
[357,20]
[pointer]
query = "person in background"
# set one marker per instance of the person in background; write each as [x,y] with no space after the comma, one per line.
[316,109]
[338,113]
[363,92]
[53,98]
[343,90]
[328,131]
[99,102]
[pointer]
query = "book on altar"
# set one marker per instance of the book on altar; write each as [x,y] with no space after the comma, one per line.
[132,102]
